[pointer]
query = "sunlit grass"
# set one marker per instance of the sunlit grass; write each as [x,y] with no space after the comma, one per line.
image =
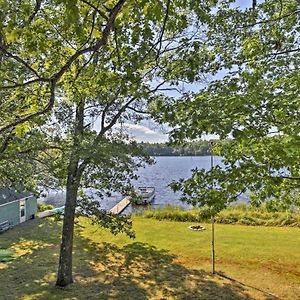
[165,261]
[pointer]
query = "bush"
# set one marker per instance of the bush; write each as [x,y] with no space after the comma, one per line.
[44,206]
[172,213]
[235,214]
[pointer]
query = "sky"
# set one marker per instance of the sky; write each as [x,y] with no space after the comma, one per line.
[145,132]
[151,133]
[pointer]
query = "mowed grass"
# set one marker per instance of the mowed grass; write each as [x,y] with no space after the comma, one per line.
[165,261]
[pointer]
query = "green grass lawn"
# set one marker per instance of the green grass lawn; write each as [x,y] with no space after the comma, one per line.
[165,261]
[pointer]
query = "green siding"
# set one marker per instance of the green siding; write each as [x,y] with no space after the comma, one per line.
[10,212]
[31,207]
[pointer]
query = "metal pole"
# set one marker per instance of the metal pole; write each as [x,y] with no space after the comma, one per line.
[213,244]
[212,219]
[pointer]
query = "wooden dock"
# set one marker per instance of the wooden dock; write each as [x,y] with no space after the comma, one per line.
[118,208]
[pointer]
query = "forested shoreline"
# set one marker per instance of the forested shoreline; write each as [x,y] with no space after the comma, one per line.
[199,148]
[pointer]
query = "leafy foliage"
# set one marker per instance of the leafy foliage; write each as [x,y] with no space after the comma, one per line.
[256,105]
[116,224]
[44,206]
[70,72]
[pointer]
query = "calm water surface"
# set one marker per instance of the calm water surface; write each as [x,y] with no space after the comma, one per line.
[159,175]
[171,168]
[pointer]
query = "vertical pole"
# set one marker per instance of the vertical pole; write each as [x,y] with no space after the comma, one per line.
[211,157]
[212,219]
[213,244]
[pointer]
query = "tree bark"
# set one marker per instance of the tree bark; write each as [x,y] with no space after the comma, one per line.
[64,275]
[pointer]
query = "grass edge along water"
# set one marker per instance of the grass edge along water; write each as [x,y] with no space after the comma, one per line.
[241,214]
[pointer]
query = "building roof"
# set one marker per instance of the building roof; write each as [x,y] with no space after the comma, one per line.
[10,194]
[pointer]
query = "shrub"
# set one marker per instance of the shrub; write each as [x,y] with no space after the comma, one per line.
[235,214]
[44,206]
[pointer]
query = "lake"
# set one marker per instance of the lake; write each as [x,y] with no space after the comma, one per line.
[159,175]
[168,168]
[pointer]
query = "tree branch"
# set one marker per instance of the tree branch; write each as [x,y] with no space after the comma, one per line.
[157,87]
[290,178]
[92,29]
[103,116]
[5,143]
[115,118]
[103,130]
[117,45]
[285,52]
[272,20]
[46,109]
[99,43]
[163,29]
[56,77]
[102,14]
[37,7]
[6,87]
[83,66]
[268,55]
[171,89]
[29,150]
[137,110]
[20,60]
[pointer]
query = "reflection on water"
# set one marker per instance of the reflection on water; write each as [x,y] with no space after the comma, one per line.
[158,175]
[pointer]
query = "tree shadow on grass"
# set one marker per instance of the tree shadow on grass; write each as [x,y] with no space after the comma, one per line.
[270,296]
[35,246]
[141,271]
[105,271]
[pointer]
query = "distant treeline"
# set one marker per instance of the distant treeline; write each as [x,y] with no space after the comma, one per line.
[199,148]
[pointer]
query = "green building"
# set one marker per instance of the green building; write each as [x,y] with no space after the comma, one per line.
[16,207]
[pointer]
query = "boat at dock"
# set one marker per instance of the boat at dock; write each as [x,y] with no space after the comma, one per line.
[145,195]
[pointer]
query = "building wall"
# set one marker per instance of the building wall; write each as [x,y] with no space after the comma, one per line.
[31,207]
[10,212]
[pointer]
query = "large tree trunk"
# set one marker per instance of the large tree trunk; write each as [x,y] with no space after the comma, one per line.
[64,276]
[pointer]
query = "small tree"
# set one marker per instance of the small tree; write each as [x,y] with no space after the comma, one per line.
[254,108]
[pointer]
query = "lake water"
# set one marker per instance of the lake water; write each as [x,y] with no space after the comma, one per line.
[158,175]
[171,168]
